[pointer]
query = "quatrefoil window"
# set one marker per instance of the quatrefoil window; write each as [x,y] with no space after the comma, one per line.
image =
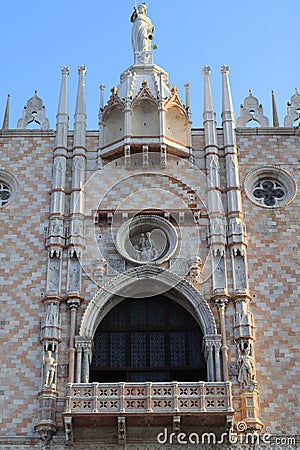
[5,194]
[269,192]
[270,187]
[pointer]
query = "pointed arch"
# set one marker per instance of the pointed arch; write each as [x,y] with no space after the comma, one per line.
[147,280]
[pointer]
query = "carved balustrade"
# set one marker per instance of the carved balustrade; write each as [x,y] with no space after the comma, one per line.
[157,398]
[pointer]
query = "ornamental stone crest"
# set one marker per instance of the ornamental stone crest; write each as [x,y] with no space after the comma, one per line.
[34,111]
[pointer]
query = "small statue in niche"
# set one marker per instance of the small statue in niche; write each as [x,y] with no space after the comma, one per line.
[49,369]
[246,376]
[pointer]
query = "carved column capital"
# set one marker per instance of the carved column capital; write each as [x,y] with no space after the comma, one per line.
[83,342]
[73,304]
[221,303]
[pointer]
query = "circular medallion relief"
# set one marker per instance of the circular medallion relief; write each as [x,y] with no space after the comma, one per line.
[147,240]
[270,187]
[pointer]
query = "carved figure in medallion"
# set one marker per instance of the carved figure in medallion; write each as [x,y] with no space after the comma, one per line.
[146,248]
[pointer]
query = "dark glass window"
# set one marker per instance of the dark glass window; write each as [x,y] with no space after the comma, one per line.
[148,339]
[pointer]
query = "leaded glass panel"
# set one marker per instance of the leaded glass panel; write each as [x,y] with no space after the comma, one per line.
[177,344]
[138,350]
[100,352]
[148,339]
[157,349]
[117,349]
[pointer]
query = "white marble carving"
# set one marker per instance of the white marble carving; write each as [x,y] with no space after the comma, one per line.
[240,282]
[78,171]
[74,275]
[251,110]
[147,239]
[53,279]
[59,173]
[219,276]
[293,108]
[246,376]
[50,365]
[195,269]
[142,29]
[34,111]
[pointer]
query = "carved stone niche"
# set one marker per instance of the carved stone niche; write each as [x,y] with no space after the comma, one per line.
[147,239]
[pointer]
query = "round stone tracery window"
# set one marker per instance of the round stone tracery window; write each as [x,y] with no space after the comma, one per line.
[5,194]
[147,239]
[8,188]
[270,187]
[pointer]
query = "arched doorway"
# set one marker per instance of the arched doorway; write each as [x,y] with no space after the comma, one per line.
[148,339]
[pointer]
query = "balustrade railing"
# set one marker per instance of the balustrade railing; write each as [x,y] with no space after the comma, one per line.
[173,397]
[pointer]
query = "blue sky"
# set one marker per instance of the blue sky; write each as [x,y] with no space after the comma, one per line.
[259,40]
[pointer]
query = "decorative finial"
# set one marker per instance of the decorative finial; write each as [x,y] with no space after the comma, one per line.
[65,70]
[225,69]
[5,125]
[81,70]
[274,111]
[206,69]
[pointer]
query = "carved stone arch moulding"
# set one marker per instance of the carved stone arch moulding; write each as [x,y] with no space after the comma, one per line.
[147,280]
[270,186]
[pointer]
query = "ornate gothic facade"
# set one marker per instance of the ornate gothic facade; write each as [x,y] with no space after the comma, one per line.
[149,271]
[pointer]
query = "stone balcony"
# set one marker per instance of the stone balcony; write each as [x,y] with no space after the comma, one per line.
[145,403]
[148,398]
